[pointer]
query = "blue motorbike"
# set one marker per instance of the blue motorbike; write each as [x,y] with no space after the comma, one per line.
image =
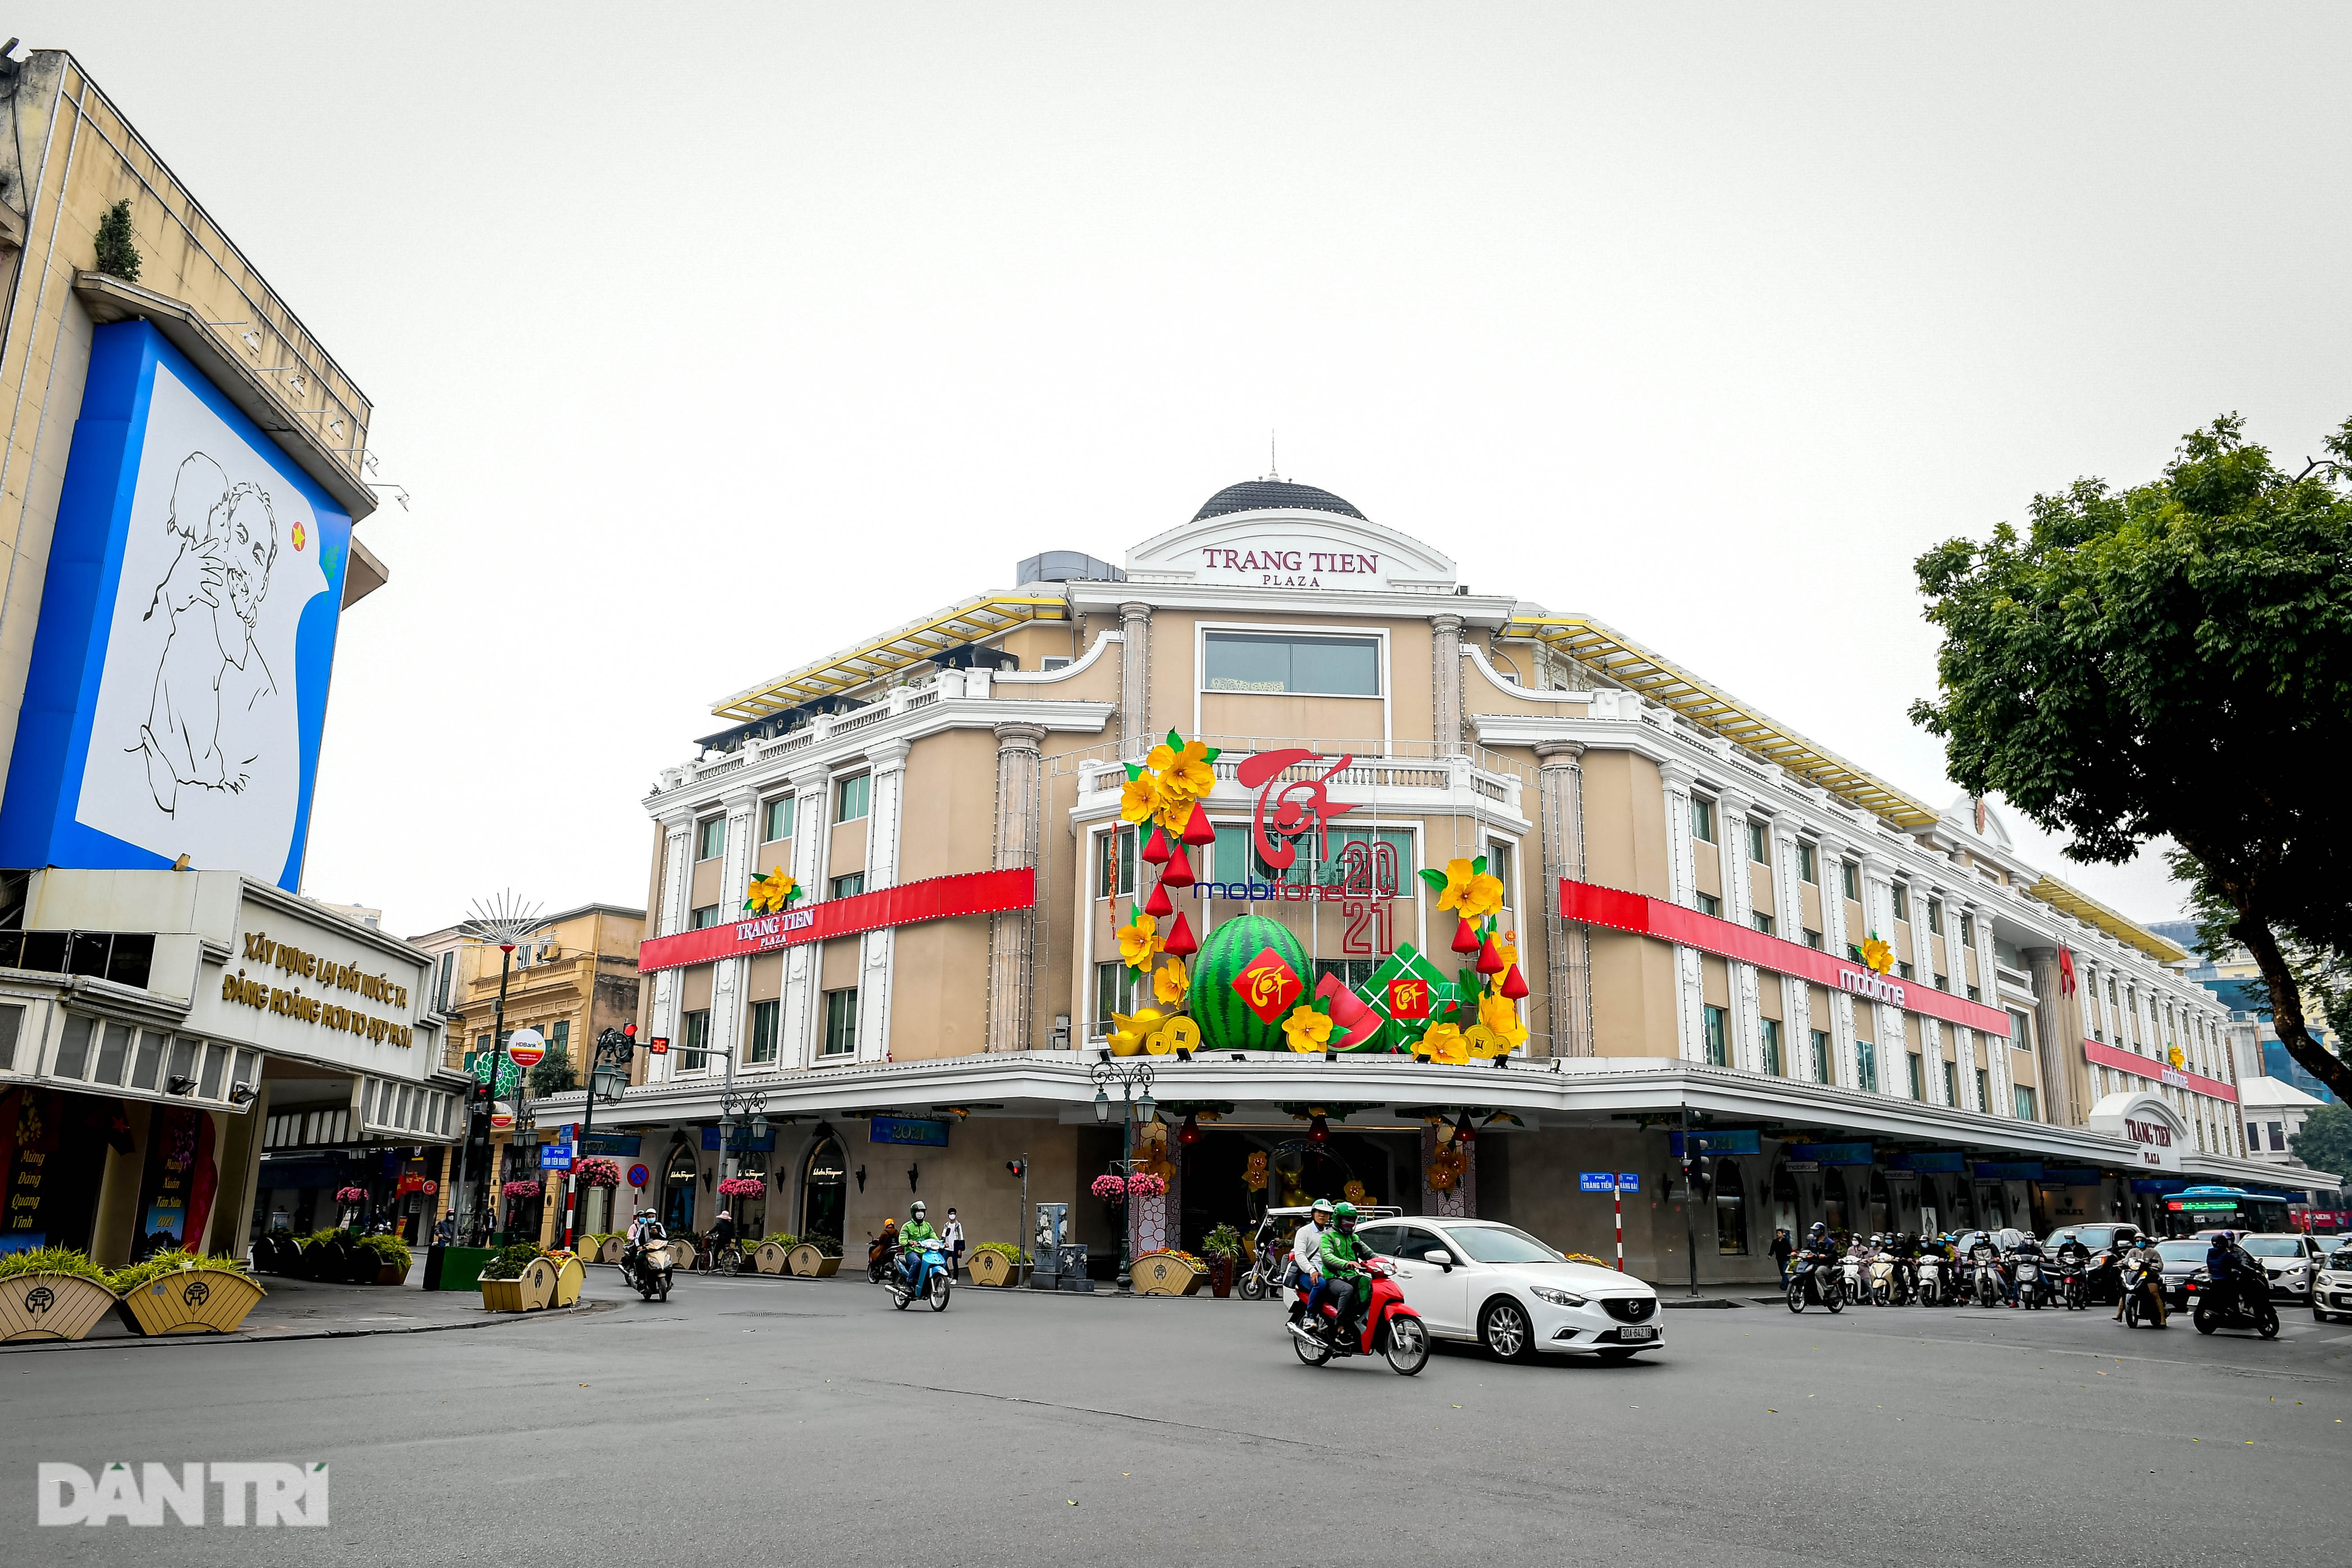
[928,1278]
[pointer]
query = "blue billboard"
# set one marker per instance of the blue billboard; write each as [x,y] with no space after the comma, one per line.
[178,685]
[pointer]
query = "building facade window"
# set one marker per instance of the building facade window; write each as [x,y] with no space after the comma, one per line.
[1821,1044]
[1936,916]
[2278,1137]
[1763,922]
[1290,662]
[1918,1076]
[776,820]
[1730,1211]
[1702,819]
[710,839]
[1115,867]
[694,1051]
[1708,904]
[1813,939]
[1866,1064]
[1903,903]
[1984,1090]
[853,798]
[1719,1048]
[849,886]
[841,1022]
[2022,1096]
[1849,881]
[1501,864]
[767,1019]
[1759,844]
[1114,993]
[1808,866]
[1968,930]
[1773,1046]
[1951,1083]
[708,915]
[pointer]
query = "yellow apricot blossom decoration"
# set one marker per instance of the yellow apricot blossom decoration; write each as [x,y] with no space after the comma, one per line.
[1877,954]
[1140,943]
[1168,982]
[1185,775]
[1445,1045]
[1500,1015]
[1138,798]
[1473,894]
[771,893]
[1306,1030]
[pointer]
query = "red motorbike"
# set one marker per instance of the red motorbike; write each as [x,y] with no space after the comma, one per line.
[1390,1328]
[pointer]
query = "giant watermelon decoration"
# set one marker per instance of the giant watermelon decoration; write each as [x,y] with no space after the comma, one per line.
[1249,975]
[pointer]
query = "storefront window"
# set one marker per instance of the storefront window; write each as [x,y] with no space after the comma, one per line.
[1288,662]
[1730,1211]
[1833,1199]
[824,1190]
[678,1191]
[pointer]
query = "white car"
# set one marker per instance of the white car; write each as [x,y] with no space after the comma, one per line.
[2289,1258]
[2331,1287]
[1495,1284]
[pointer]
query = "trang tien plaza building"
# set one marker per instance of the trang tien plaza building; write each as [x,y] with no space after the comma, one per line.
[1865,1009]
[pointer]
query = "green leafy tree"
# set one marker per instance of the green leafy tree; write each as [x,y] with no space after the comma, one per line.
[2175,660]
[2326,1142]
[117,252]
[553,1074]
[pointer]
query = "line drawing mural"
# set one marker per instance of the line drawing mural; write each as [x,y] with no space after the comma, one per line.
[211,676]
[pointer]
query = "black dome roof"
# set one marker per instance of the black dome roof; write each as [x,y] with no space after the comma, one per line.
[1260,495]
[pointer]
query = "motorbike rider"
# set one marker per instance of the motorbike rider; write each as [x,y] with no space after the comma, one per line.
[1306,1244]
[2225,1275]
[2142,1270]
[1819,1251]
[643,1227]
[722,1233]
[913,1237]
[2027,1246]
[1906,1261]
[1343,1268]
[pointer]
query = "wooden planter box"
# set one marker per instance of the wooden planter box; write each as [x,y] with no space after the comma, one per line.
[770,1258]
[190,1302]
[1165,1274]
[570,1276]
[808,1263]
[529,1293]
[994,1270]
[51,1306]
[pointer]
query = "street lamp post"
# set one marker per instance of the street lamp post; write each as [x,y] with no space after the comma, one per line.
[1134,1080]
[503,924]
[607,1073]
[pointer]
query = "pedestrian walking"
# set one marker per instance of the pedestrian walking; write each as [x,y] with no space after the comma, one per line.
[1782,1247]
[952,1234]
[444,1234]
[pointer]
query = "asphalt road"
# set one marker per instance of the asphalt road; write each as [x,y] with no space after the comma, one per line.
[760,1421]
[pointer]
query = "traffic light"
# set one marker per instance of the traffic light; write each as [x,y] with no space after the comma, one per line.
[1019,1168]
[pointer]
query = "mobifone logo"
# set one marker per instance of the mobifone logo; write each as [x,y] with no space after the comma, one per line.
[262,1494]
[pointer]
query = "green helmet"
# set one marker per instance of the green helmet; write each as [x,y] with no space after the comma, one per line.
[1344,1216]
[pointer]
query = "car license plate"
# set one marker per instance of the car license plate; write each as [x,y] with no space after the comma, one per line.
[1646,1332]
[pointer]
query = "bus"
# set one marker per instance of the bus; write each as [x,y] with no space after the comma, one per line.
[2193,1209]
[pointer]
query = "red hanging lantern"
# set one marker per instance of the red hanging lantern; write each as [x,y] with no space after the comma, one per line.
[1465,938]
[1158,904]
[1155,848]
[1316,1133]
[1198,829]
[1490,956]
[1515,984]
[1190,1133]
[1180,942]
[1463,1131]
[1179,872]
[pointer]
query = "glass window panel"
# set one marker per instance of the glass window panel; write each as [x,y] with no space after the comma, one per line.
[850,886]
[697,1043]
[12,1026]
[767,1019]
[1238,663]
[1330,667]
[44,952]
[88,952]
[852,798]
[113,1050]
[1344,667]
[407,1102]
[776,820]
[208,1084]
[183,1058]
[147,1071]
[368,1088]
[840,1022]
[73,1051]
[133,956]
[709,838]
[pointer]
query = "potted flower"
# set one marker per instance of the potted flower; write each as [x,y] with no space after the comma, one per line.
[1168,1273]
[381,1260]
[520,1279]
[1144,1184]
[353,1201]
[815,1256]
[997,1264]
[180,1293]
[773,1256]
[50,1293]
[571,1274]
[1112,1190]
[1222,1246]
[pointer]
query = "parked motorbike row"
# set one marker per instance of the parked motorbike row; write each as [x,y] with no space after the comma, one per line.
[1898,1270]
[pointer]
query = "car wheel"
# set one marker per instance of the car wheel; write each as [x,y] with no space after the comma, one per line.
[1506,1332]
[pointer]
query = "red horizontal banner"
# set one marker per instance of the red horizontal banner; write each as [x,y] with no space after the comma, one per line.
[2149,1066]
[909,903]
[1591,904]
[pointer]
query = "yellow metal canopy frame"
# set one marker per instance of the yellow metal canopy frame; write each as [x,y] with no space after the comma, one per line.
[1709,707]
[975,619]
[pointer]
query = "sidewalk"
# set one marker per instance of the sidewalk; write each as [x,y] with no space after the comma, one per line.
[307,1310]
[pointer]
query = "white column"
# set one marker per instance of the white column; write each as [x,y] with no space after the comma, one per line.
[797,1041]
[1999,1072]
[1134,681]
[677,871]
[1796,1000]
[887,761]
[731,975]
[1012,936]
[1836,939]
[1445,683]
[1886,1019]
[1681,868]
[1739,909]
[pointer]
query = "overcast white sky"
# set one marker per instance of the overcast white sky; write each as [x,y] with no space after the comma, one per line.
[708,340]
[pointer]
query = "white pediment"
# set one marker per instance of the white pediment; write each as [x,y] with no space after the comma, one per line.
[1290,550]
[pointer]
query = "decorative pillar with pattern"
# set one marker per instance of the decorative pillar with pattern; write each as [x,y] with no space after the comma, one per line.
[811,811]
[1837,939]
[1746,1043]
[1462,1201]
[1134,681]
[887,763]
[677,871]
[2057,1023]
[1012,936]
[1568,949]
[1676,778]
[730,976]
[1445,683]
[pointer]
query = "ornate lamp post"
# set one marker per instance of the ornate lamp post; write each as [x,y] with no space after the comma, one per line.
[1134,1080]
[608,1074]
[502,924]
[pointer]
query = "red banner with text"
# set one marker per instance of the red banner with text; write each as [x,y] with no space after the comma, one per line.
[909,903]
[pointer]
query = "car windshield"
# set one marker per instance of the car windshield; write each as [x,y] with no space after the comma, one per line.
[2273,1246]
[1501,1243]
[2182,1251]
